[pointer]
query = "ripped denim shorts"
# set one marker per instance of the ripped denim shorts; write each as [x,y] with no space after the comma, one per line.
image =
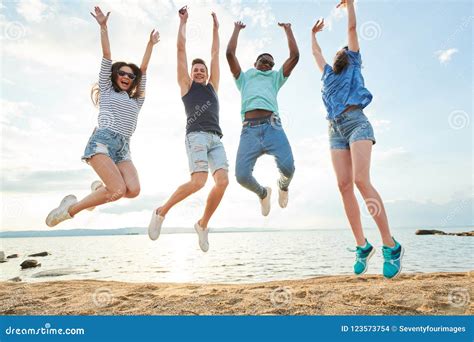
[205,151]
[110,143]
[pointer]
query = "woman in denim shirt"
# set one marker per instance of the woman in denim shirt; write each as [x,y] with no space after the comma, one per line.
[351,138]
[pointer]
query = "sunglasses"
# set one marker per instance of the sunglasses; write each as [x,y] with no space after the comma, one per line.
[267,62]
[128,74]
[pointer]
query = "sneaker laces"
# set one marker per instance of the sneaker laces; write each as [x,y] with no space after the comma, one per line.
[387,255]
[357,251]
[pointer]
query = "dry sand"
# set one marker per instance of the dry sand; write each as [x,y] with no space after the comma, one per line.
[409,294]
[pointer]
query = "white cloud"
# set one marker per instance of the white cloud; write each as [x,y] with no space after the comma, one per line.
[335,15]
[444,56]
[33,10]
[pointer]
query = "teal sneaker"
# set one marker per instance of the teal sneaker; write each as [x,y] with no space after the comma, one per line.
[392,256]
[363,255]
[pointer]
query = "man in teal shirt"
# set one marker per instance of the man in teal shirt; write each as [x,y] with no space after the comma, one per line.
[262,132]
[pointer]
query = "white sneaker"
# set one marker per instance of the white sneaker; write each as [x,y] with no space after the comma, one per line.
[203,237]
[61,213]
[282,197]
[266,202]
[154,228]
[95,186]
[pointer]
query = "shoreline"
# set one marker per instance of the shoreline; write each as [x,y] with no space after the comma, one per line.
[440,293]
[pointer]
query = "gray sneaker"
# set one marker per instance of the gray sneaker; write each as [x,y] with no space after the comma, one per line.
[266,202]
[61,213]
[154,228]
[203,237]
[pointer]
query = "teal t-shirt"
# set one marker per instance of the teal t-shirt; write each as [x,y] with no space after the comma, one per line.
[259,89]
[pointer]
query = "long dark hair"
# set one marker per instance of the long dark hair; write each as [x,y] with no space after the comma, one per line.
[341,61]
[134,91]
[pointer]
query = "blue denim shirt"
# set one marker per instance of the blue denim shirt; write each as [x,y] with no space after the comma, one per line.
[346,88]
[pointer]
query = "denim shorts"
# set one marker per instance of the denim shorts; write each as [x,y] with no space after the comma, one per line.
[349,127]
[205,151]
[110,143]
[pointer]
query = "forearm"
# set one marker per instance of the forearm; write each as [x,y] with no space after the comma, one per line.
[351,16]
[104,41]
[292,46]
[232,46]
[215,43]
[314,45]
[146,57]
[182,36]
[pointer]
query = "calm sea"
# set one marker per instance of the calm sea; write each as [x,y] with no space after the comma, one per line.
[233,257]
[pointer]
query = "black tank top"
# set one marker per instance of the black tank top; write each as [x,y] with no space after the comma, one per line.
[202,109]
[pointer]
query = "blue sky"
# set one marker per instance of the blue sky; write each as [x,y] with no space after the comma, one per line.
[417,59]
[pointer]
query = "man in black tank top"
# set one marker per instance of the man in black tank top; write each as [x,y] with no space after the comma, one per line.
[203,133]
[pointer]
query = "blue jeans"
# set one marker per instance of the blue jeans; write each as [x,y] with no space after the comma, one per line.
[255,141]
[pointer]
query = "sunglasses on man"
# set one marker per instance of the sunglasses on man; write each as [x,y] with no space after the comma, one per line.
[266,61]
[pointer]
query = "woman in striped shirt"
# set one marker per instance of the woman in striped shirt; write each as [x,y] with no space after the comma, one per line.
[119,96]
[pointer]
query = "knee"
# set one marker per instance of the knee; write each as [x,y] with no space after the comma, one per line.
[243,178]
[288,170]
[222,182]
[116,191]
[362,183]
[197,184]
[132,192]
[345,186]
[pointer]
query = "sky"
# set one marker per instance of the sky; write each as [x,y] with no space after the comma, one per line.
[417,62]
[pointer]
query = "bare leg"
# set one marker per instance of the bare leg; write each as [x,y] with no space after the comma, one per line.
[114,184]
[341,160]
[130,176]
[221,179]
[361,152]
[197,182]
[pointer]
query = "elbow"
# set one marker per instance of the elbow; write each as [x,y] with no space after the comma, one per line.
[229,54]
[295,56]
[352,28]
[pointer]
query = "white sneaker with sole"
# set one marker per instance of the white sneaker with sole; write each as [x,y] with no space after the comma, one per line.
[203,237]
[95,186]
[282,197]
[61,213]
[266,202]
[154,228]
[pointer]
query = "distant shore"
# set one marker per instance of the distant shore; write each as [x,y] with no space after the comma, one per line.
[409,294]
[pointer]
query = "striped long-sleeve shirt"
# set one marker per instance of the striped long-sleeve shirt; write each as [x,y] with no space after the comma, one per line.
[117,111]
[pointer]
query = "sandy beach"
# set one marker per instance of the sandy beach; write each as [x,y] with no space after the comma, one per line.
[410,294]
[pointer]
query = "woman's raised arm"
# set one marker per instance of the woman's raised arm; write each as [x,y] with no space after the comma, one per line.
[104,36]
[317,53]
